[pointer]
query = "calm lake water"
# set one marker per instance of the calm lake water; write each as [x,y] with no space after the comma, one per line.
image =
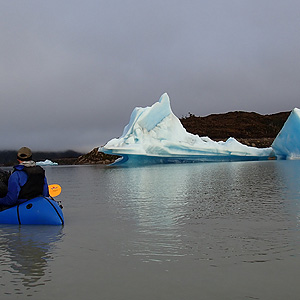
[174,232]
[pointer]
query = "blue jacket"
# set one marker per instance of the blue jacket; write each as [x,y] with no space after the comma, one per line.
[16,180]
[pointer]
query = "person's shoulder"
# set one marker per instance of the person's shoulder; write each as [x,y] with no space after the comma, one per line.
[18,168]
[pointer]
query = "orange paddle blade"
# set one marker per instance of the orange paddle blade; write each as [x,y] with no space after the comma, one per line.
[54,190]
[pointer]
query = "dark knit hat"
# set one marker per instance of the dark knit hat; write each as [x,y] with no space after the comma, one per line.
[24,154]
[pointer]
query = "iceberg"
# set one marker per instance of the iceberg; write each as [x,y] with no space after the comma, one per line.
[155,135]
[47,162]
[287,143]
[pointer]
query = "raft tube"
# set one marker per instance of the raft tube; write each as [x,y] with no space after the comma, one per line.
[37,211]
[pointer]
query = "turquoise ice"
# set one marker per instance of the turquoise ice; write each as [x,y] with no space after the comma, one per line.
[287,143]
[155,135]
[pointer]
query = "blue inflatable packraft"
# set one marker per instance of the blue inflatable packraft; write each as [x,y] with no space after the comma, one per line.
[37,211]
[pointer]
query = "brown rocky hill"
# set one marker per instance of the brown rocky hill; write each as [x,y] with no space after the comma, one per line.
[249,128]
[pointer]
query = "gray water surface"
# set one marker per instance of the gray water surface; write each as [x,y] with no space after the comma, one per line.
[186,231]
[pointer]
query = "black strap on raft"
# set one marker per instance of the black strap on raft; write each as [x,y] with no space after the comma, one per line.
[18,213]
[61,219]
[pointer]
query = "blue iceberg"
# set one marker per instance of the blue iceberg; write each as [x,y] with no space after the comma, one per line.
[155,135]
[287,143]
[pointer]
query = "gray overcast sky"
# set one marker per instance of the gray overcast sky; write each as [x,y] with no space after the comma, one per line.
[73,71]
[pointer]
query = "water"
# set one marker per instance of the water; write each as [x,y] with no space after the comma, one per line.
[189,231]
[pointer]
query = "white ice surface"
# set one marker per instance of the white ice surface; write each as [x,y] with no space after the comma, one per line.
[47,162]
[155,134]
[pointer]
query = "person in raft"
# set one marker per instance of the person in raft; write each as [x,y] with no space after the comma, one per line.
[26,182]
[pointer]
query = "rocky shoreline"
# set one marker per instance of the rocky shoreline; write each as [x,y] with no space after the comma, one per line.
[95,157]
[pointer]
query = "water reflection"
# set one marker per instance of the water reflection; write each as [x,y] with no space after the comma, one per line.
[212,212]
[152,199]
[248,190]
[289,171]
[24,255]
[240,214]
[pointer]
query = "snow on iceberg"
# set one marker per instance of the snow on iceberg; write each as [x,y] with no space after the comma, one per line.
[155,135]
[287,143]
[47,162]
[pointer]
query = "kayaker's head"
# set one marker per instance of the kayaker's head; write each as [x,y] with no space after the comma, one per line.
[24,154]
